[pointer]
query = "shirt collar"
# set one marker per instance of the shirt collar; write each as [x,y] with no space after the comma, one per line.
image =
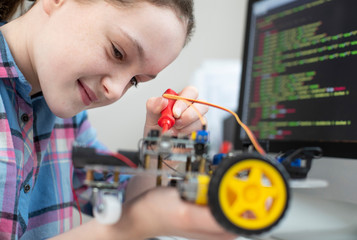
[23,87]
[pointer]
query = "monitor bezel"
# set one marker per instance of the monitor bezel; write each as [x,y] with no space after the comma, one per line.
[340,149]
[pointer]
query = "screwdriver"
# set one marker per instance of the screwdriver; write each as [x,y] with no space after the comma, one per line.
[167,120]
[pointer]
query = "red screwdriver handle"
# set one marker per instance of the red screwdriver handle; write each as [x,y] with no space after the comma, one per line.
[167,120]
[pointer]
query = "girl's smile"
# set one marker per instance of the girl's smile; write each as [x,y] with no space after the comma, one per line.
[88,96]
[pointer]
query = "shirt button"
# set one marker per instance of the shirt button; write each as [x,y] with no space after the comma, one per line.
[25,118]
[27,188]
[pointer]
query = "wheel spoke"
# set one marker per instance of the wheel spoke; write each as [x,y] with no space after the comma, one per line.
[236,183]
[232,191]
[260,211]
[255,176]
[238,207]
[269,192]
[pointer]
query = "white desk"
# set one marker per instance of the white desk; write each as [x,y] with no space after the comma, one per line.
[313,218]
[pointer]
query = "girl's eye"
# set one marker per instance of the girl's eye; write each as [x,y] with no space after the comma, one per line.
[117,53]
[134,82]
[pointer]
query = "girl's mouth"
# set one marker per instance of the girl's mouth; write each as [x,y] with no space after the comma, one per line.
[87,95]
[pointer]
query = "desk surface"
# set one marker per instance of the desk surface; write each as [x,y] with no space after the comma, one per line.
[313,218]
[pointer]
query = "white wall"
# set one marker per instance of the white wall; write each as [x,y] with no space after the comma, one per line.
[219,34]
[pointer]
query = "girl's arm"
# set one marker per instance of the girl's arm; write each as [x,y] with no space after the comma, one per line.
[158,212]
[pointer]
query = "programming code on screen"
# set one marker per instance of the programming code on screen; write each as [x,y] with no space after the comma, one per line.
[301,78]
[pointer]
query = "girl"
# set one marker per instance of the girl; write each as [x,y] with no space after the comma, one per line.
[59,59]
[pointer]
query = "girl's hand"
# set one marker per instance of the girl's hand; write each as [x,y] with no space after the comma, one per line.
[162,212]
[157,212]
[187,119]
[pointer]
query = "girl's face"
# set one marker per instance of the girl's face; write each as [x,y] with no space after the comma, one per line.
[89,55]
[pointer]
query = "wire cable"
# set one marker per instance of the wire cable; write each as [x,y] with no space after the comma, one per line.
[120,157]
[245,127]
[203,121]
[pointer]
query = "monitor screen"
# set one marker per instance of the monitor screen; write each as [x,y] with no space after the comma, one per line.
[299,75]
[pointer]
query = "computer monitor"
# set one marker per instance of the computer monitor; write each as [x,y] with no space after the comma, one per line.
[299,75]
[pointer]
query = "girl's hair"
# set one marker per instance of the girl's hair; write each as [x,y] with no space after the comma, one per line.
[183,9]
[8,8]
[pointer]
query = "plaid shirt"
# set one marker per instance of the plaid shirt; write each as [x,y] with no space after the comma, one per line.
[36,170]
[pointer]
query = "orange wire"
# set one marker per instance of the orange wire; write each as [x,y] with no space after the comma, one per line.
[245,127]
[203,121]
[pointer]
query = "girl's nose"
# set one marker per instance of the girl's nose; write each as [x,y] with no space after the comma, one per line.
[113,88]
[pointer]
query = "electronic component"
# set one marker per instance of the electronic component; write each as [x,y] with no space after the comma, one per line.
[247,193]
[167,120]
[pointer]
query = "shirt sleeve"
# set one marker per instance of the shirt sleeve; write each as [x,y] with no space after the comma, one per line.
[86,136]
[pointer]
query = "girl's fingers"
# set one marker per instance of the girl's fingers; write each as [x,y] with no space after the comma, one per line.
[180,106]
[155,105]
[191,115]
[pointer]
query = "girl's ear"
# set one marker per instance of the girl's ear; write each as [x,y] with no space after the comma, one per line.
[49,6]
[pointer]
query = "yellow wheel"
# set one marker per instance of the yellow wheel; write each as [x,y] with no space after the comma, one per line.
[248,194]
